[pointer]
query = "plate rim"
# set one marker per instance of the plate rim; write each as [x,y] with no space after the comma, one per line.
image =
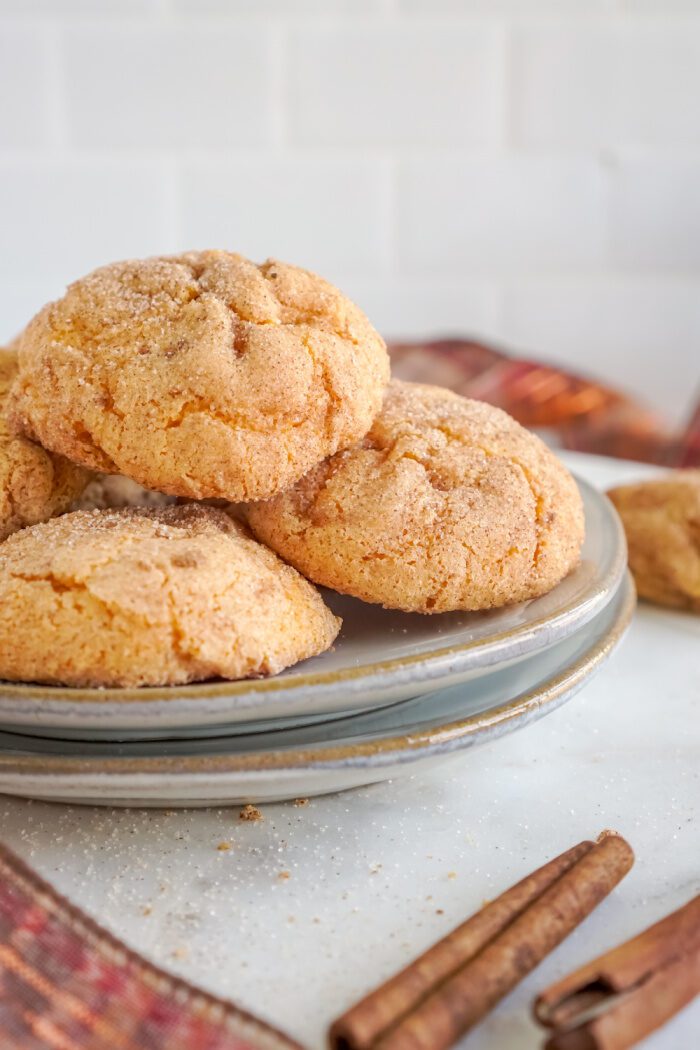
[390,750]
[154,701]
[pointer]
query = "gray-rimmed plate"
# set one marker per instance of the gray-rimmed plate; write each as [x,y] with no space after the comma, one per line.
[381,657]
[360,749]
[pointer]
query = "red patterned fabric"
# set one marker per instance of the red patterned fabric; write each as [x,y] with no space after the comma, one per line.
[575,412]
[67,984]
[690,442]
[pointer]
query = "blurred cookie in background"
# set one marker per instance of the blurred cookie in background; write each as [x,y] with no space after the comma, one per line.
[662,522]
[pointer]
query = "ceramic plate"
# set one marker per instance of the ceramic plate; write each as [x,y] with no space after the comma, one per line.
[360,749]
[380,657]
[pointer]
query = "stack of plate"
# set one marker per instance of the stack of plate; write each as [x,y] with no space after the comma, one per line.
[397,692]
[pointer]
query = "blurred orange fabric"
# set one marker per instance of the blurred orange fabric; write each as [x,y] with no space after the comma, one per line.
[569,410]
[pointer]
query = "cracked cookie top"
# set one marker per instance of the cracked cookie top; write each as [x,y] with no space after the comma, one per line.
[662,523]
[151,597]
[201,375]
[34,484]
[447,504]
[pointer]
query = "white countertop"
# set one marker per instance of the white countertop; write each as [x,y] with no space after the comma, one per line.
[378,874]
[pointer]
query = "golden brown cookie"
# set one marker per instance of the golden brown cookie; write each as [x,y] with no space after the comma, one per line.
[115,492]
[201,375]
[447,504]
[151,597]
[34,484]
[662,522]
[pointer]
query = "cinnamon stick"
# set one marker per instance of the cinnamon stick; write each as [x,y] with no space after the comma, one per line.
[440,996]
[365,1022]
[620,997]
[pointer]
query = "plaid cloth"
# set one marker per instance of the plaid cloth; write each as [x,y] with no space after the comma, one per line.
[573,411]
[67,984]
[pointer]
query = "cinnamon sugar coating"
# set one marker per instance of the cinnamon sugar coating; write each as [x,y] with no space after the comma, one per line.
[34,484]
[447,504]
[151,597]
[662,523]
[201,375]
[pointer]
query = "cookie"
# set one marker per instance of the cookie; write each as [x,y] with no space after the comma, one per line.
[114,492]
[34,484]
[447,504]
[151,597]
[662,522]
[201,375]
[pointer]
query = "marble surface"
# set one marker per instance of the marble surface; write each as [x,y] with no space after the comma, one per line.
[311,906]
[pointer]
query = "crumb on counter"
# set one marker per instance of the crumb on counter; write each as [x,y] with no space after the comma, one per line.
[250,812]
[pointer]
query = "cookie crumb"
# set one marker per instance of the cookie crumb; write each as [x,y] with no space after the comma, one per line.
[451,874]
[301,801]
[283,875]
[146,910]
[179,953]
[250,812]
[439,911]
[223,847]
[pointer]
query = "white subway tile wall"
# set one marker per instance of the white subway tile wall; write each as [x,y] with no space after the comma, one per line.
[298,207]
[181,87]
[527,171]
[506,213]
[614,82]
[25,87]
[392,84]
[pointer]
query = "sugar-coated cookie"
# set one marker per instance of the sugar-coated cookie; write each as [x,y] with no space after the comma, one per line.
[662,522]
[202,375]
[447,504]
[151,597]
[34,484]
